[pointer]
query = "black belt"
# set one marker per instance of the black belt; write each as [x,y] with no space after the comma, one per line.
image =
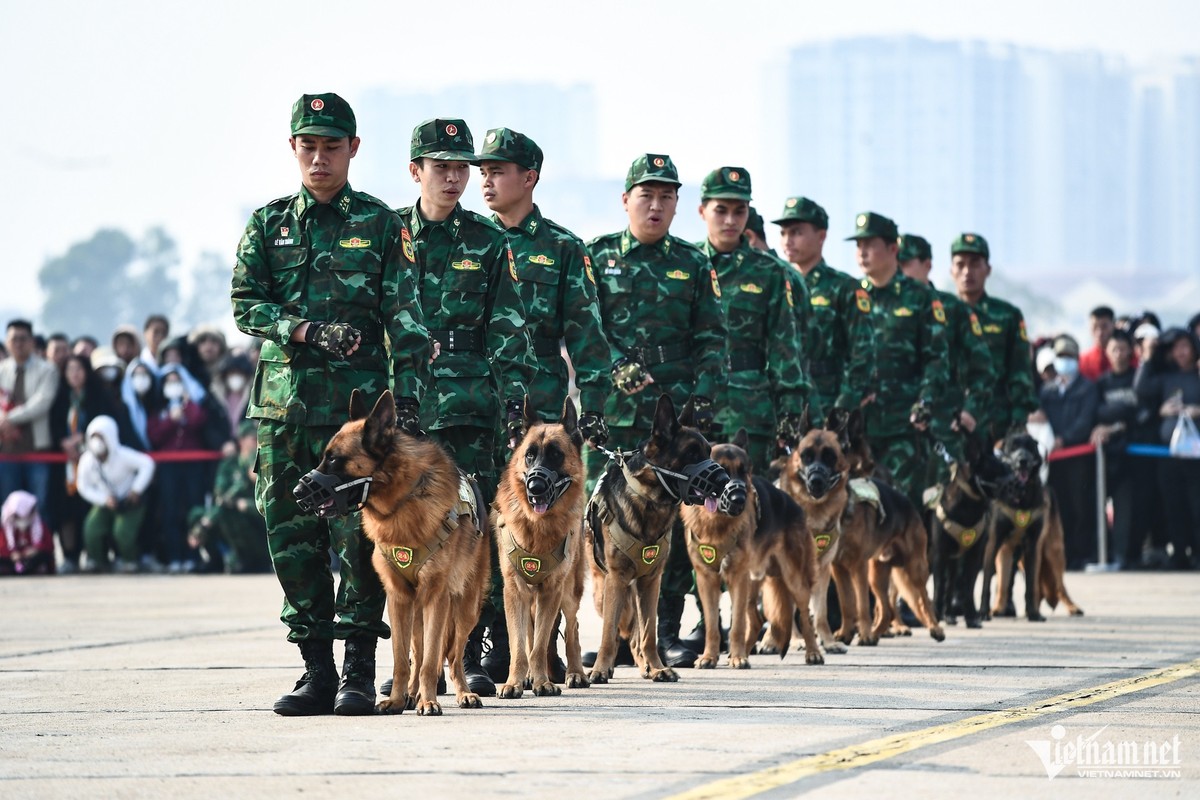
[650,355]
[544,347]
[748,360]
[820,369]
[468,341]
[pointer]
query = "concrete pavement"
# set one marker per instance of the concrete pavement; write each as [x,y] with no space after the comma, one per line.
[149,686]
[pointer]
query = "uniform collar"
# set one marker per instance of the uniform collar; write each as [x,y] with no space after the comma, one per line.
[895,285]
[340,203]
[735,256]
[816,272]
[532,223]
[418,223]
[629,242]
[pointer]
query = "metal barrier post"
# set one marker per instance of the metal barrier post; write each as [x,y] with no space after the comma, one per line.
[1101,508]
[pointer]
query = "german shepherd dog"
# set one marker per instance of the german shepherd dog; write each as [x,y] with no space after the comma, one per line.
[756,532]
[430,552]
[537,517]
[629,518]
[1025,523]
[958,533]
[864,545]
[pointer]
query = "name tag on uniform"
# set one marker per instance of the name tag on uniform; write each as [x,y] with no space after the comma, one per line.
[280,242]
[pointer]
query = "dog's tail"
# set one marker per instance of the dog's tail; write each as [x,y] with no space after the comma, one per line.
[778,609]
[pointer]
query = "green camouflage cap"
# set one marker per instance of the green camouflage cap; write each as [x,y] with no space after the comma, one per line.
[247,427]
[726,183]
[970,243]
[505,144]
[868,225]
[442,140]
[913,246]
[323,115]
[801,209]
[754,222]
[652,167]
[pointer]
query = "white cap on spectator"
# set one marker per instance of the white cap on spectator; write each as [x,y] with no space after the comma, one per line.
[1045,358]
[1145,331]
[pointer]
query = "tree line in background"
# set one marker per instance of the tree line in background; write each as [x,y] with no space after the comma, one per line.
[111,279]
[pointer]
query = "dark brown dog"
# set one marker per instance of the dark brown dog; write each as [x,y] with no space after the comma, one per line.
[430,553]
[538,517]
[629,518]
[756,531]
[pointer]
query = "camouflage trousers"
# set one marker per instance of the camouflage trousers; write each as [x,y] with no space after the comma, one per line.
[476,451]
[906,458]
[238,534]
[299,543]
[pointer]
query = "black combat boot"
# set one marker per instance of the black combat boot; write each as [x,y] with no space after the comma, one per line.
[495,659]
[624,657]
[558,670]
[478,681]
[698,638]
[385,688]
[356,694]
[674,653]
[315,691]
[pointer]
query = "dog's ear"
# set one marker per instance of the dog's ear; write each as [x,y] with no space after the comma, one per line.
[838,423]
[570,422]
[380,427]
[855,427]
[528,413]
[805,422]
[666,425]
[972,449]
[358,405]
[741,439]
[687,417]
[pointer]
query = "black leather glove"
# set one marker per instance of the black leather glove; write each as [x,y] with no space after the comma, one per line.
[920,414]
[335,338]
[787,431]
[594,428]
[628,375]
[514,419]
[408,416]
[702,413]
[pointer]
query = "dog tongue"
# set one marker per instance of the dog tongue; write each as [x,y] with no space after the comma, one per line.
[710,504]
[540,508]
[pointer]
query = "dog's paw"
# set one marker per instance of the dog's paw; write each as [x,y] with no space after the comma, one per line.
[386,706]
[835,648]
[598,676]
[467,700]
[867,641]
[738,662]
[1076,611]
[410,701]
[664,675]
[511,691]
[577,680]
[813,657]
[706,662]
[429,708]
[765,649]
[546,689]
[901,630]
[937,633]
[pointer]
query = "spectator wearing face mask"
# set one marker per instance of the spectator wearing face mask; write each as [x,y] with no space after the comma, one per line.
[232,388]
[177,424]
[139,393]
[27,546]
[1070,402]
[113,479]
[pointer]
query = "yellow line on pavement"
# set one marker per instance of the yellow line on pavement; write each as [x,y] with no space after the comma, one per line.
[879,749]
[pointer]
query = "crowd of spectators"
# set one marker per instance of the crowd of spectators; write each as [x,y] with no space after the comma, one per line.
[111,451]
[1131,394]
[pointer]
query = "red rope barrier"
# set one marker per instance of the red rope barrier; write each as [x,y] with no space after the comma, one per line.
[1072,452]
[162,457]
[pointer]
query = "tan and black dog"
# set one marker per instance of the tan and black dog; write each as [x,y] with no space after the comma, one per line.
[757,531]
[629,519]
[537,518]
[429,526]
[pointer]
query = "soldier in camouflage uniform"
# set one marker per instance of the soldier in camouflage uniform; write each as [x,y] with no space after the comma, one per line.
[558,287]
[756,233]
[910,356]
[970,361]
[323,278]
[767,387]
[835,322]
[660,303]
[474,311]
[231,523]
[1011,397]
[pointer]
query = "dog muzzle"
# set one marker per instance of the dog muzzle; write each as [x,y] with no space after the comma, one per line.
[820,480]
[326,496]
[543,486]
[732,501]
[698,484]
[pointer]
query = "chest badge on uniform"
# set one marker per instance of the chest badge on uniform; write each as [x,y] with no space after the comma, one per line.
[283,230]
[716,284]
[819,300]
[468,264]
[992,329]
[678,275]
[862,300]
[751,288]
[354,243]
[903,311]
[544,260]
[939,312]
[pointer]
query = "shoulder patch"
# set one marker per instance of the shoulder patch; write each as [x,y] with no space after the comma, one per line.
[862,300]
[512,264]
[939,312]
[1022,332]
[787,288]
[406,245]
[587,270]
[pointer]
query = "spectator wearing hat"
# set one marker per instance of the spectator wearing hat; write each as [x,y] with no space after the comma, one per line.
[1094,362]
[26,543]
[210,349]
[28,385]
[1070,402]
[112,478]
[125,343]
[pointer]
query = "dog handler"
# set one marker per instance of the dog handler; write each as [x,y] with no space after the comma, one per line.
[325,278]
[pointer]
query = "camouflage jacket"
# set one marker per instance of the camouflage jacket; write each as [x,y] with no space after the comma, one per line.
[1010,395]
[910,354]
[469,285]
[558,287]
[660,302]
[970,361]
[338,262]
[766,379]
[839,337]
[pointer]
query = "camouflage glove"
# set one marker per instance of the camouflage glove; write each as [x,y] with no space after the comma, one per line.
[702,413]
[787,432]
[335,338]
[628,375]
[408,416]
[920,414]
[514,419]
[594,428]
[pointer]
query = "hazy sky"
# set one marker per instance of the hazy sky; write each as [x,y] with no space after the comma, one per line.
[128,114]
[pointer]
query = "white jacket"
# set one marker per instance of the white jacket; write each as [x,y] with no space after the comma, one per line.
[124,471]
